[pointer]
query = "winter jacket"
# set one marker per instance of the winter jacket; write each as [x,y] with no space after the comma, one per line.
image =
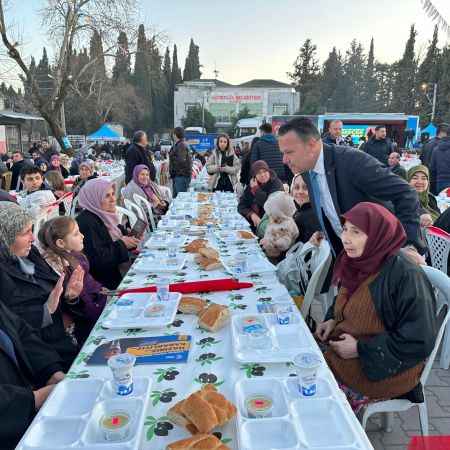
[440,165]
[230,167]
[307,223]
[26,296]
[399,170]
[104,254]
[427,151]
[180,162]
[136,155]
[266,149]
[254,202]
[379,149]
[404,301]
[35,363]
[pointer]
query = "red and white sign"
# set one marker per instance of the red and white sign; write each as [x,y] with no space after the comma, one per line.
[230,98]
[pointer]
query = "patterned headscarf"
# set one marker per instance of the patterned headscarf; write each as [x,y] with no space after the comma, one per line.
[13,219]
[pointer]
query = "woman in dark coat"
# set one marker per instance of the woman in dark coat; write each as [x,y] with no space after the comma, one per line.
[106,243]
[382,326]
[29,370]
[28,285]
[263,182]
[304,217]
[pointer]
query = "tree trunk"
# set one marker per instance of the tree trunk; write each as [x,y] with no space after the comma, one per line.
[56,130]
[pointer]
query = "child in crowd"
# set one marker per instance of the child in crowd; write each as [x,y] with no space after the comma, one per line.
[61,245]
[281,232]
[36,194]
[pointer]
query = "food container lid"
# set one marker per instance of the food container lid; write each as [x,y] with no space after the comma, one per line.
[307,360]
[121,361]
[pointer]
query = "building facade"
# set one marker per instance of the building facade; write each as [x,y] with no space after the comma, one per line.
[224,100]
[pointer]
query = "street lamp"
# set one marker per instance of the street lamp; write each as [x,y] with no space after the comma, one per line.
[431,101]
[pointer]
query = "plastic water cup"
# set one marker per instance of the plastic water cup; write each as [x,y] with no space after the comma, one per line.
[122,370]
[240,264]
[172,249]
[284,314]
[164,221]
[162,289]
[306,365]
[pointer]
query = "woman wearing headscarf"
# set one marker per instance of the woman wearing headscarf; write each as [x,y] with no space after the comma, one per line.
[223,166]
[382,326]
[419,178]
[263,182]
[106,243]
[28,285]
[55,164]
[141,184]
[87,172]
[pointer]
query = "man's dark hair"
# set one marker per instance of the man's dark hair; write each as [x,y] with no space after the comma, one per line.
[137,136]
[443,128]
[379,127]
[266,128]
[17,151]
[303,127]
[30,170]
[179,132]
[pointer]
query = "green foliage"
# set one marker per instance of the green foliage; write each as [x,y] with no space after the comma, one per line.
[192,66]
[193,118]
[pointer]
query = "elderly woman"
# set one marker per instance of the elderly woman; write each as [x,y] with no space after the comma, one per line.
[55,164]
[223,166]
[29,287]
[304,217]
[142,185]
[382,327]
[87,172]
[263,182]
[419,178]
[106,243]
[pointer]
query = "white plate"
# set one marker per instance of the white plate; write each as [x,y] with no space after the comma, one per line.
[159,240]
[70,416]
[134,316]
[151,263]
[284,342]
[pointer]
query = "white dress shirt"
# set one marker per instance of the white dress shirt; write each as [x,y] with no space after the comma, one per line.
[325,195]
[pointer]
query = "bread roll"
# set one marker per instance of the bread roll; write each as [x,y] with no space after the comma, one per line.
[198,442]
[191,305]
[214,317]
[195,245]
[209,253]
[246,234]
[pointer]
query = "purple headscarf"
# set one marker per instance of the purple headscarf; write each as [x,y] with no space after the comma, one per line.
[91,196]
[150,189]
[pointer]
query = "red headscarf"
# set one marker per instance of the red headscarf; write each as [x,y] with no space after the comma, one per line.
[386,237]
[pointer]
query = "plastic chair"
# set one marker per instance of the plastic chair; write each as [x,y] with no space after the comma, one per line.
[73,208]
[135,208]
[145,205]
[441,282]
[438,242]
[323,261]
[125,212]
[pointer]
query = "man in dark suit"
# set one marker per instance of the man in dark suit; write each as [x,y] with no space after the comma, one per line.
[338,178]
[138,153]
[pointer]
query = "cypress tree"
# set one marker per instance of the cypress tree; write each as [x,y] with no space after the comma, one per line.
[96,52]
[141,62]
[122,67]
[176,71]
[192,65]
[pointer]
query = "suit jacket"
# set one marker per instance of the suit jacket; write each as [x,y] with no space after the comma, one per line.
[36,363]
[354,177]
[138,155]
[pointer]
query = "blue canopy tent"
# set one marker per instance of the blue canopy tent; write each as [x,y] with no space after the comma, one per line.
[430,129]
[106,134]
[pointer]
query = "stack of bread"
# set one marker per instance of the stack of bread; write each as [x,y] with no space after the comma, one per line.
[208,258]
[195,245]
[246,234]
[211,317]
[203,196]
[200,413]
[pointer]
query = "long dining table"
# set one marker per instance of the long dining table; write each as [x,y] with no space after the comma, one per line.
[212,357]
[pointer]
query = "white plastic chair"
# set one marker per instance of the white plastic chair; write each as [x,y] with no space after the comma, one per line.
[135,208]
[145,205]
[322,264]
[125,212]
[438,242]
[441,282]
[73,207]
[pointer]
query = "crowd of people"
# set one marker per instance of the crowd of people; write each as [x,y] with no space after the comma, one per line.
[296,187]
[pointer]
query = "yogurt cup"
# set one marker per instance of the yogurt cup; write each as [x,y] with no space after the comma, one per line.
[306,365]
[122,370]
[115,426]
[259,406]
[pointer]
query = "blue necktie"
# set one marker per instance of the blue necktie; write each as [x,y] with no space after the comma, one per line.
[316,195]
[7,345]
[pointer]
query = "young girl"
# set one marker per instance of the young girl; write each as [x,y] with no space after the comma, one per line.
[61,245]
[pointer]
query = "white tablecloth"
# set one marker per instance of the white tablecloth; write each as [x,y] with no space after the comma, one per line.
[211,355]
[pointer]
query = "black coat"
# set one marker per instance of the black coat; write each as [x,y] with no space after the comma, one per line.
[354,177]
[400,171]
[404,301]
[267,149]
[440,165]
[259,198]
[138,155]
[104,254]
[36,363]
[180,161]
[307,223]
[379,149]
[245,168]
[27,296]
[427,151]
